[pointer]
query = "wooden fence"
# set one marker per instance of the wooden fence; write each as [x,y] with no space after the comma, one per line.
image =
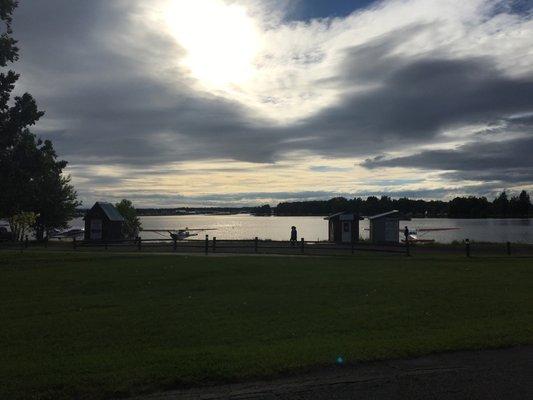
[257,246]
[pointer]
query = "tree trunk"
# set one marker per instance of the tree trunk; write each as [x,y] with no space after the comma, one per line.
[39,232]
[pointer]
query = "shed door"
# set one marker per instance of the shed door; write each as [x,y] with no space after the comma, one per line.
[96,229]
[392,232]
[346,231]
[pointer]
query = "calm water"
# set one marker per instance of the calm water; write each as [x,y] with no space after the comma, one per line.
[244,226]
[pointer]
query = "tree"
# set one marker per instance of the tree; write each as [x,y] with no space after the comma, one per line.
[30,174]
[501,204]
[8,48]
[132,224]
[21,223]
[523,204]
[56,206]
[264,210]
[459,207]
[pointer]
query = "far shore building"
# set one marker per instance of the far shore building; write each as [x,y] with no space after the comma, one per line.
[385,228]
[343,227]
[103,222]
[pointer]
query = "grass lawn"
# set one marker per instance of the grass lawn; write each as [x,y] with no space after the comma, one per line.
[104,325]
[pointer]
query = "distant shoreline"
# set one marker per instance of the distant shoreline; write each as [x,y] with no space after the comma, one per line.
[164,212]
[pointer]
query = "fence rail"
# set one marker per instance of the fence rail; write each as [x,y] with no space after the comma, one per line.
[257,246]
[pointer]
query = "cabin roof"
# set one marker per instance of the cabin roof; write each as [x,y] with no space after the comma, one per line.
[110,211]
[342,213]
[384,214]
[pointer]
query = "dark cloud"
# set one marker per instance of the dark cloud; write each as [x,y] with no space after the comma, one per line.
[508,161]
[417,101]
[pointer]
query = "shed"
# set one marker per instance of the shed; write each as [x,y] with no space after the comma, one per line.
[385,228]
[343,227]
[103,222]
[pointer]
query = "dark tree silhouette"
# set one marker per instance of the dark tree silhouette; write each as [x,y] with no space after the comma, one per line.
[459,207]
[262,210]
[132,223]
[30,174]
[501,204]
[520,205]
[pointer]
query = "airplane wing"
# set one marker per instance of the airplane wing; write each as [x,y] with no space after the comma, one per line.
[177,230]
[437,229]
[159,230]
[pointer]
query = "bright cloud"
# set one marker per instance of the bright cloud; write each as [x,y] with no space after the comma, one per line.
[287,70]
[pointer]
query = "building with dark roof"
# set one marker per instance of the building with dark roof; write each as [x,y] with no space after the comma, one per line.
[103,222]
[385,228]
[343,227]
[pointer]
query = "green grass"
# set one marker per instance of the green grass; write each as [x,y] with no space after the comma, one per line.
[103,325]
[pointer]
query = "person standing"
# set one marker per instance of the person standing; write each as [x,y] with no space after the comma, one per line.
[406,234]
[294,236]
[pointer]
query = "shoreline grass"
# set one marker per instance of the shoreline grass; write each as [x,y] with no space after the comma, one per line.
[96,325]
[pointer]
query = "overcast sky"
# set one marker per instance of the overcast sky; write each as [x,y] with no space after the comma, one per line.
[213,102]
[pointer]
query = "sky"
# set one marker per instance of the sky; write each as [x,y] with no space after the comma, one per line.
[176,103]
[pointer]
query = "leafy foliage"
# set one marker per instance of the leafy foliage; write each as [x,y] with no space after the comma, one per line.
[132,224]
[8,49]
[21,223]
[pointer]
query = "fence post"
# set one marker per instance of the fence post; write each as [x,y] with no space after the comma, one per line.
[256,240]
[74,243]
[467,245]
[508,248]
[214,244]
[302,245]
[139,245]
[206,244]
[174,243]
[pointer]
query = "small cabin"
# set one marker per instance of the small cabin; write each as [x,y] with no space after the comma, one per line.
[103,222]
[343,227]
[385,228]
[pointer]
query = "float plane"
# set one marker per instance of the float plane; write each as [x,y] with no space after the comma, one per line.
[178,234]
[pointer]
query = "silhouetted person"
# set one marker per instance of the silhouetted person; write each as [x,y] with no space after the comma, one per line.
[294,236]
[406,233]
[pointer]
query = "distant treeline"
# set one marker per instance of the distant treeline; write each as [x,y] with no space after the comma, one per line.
[502,206]
[80,212]
[193,210]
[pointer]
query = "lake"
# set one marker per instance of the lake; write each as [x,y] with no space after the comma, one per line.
[244,226]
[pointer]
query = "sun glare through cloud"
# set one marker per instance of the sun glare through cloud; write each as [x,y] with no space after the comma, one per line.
[221,40]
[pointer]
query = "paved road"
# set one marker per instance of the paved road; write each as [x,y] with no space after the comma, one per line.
[484,375]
